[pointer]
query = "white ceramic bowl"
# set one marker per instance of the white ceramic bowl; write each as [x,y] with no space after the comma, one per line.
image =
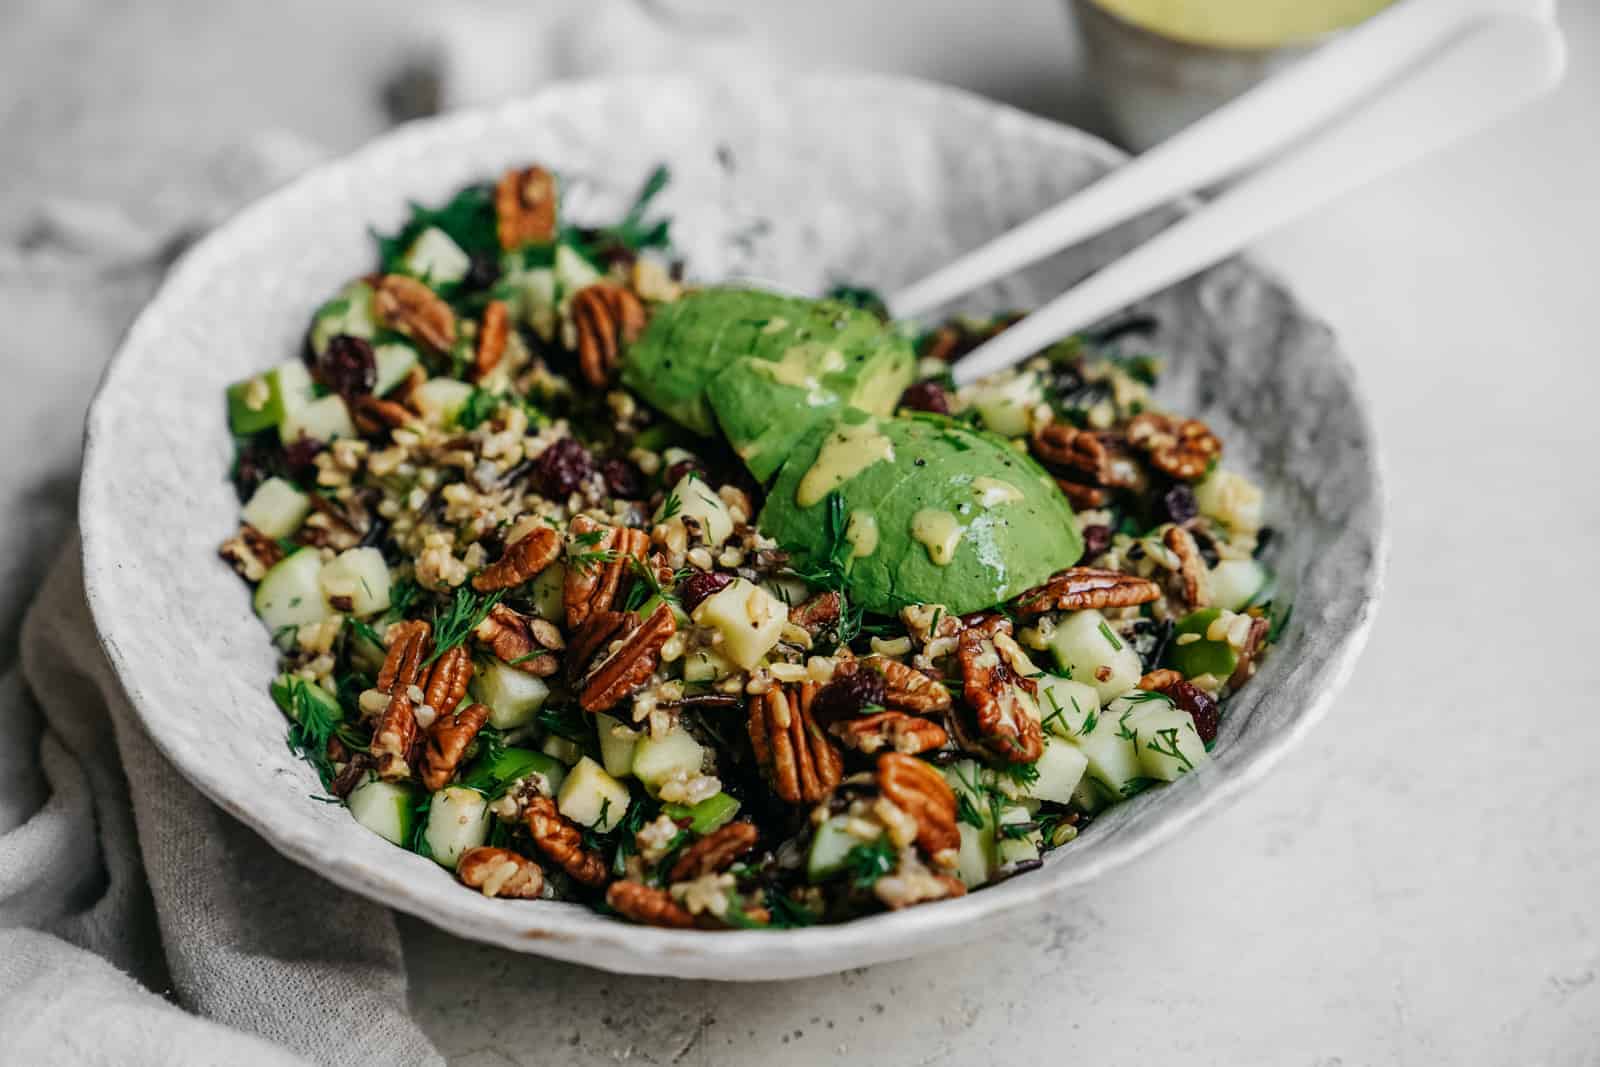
[802,180]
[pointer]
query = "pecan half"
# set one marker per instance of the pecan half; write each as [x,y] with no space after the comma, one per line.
[560,839]
[1158,680]
[336,523]
[648,905]
[790,747]
[1194,577]
[605,317]
[1083,497]
[598,632]
[373,414]
[921,792]
[1088,457]
[598,557]
[493,333]
[250,552]
[1182,448]
[447,682]
[415,310]
[1079,588]
[716,851]
[500,872]
[448,739]
[408,647]
[816,613]
[1003,702]
[625,670]
[892,730]
[1254,644]
[907,688]
[525,208]
[528,644]
[522,560]
[395,734]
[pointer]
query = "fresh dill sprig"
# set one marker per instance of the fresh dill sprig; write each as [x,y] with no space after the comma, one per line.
[1023,774]
[463,615]
[967,811]
[1170,747]
[569,722]
[867,862]
[480,407]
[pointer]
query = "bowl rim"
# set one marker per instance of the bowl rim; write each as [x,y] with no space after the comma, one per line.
[576,933]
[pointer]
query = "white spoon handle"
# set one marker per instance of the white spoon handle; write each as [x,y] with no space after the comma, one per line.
[1489,72]
[1225,142]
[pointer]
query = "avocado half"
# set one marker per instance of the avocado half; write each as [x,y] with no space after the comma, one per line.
[951,515]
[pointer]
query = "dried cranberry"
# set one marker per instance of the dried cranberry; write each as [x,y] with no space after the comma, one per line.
[561,468]
[301,455]
[695,588]
[254,465]
[676,472]
[1177,504]
[1205,711]
[1096,539]
[483,272]
[625,480]
[926,396]
[347,366]
[849,695]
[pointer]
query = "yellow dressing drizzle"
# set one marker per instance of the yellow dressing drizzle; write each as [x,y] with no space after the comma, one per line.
[862,533]
[992,492]
[1244,23]
[939,532]
[847,452]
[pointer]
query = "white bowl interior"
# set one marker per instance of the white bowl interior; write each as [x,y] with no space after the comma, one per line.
[804,181]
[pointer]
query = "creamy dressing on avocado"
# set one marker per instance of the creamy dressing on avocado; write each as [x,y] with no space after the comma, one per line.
[776,325]
[939,532]
[992,492]
[862,533]
[803,367]
[1244,23]
[848,451]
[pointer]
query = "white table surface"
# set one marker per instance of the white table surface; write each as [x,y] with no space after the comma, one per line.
[1418,881]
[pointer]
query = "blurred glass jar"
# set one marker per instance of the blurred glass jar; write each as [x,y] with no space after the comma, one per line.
[1158,65]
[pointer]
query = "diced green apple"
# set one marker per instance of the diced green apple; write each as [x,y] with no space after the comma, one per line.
[1168,744]
[657,759]
[573,271]
[356,582]
[276,508]
[1004,407]
[531,293]
[547,592]
[439,400]
[1231,499]
[710,814]
[831,843]
[348,313]
[1060,768]
[458,819]
[262,402]
[617,744]
[706,665]
[1193,654]
[564,749]
[1086,647]
[749,618]
[394,361]
[591,797]
[322,419]
[1015,849]
[493,777]
[513,697]
[388,809]
[435,258]
[1112,760]
[697,500]
[1236,582]
[1069,708]
[290,593]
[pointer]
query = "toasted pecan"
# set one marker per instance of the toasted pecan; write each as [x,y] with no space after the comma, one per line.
[560,839]
[1160,679]
[907,688]
[373,414]
[1003,702]
[525,204]
[895,731]
[251,553]
[791,748]
[408,644]
[598,632]
[818,612]
[1194,577]
[448,739]
[493,333]
[598,558]
[394,737]
[1080,588]
[605,317]
[624,670]
[1250,655]
[1182,448]
[716,851]
[521,641]
[648,905]
[521,562]
[1083,497]
[407,305]
[1088,457]
[500,872]
[920,791]
[448,680]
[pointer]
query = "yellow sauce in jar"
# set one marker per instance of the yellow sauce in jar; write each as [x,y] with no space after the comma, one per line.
[1244,23]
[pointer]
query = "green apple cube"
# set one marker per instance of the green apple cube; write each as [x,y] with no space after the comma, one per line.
[973,858]
[323,419]
[657,759]
[513,697]
[531,295]
[1112,760]
[291,693]
[1237,582]
[617,744]
[394,362]
[435,258]
[564,749]
[495,776]
[290,593]
[749,618]
[547,593]
[439,400]
[1069,708]
[1004,407]
[706,665]
[1193,654]
[356,582]
[831,843]
[1168,744]
[1014,849]
[1060,769]
[1090,795]
[458,820]
[591,797]
[573,271]
[693,498]
[388,809]
[1231,499]
[349,313]
[262,402]
[276,508]
[1089,651]
[710,814]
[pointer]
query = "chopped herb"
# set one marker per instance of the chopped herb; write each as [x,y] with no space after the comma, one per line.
[419,826]
[867,862]
[480,407]
[1170,748]
[787,913]
[1023,774]
[568,722]
[671,506]
[467,218]
[1116,645]
[463,615]
[365,632]
[967,811]
[1134,786]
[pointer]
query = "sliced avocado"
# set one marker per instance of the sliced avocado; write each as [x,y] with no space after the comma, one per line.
[962,518]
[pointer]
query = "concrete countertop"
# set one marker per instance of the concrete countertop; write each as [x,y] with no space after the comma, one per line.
[1416,882]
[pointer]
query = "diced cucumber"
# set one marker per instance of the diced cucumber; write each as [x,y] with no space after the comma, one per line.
[348,313]
[564,749]
[1015,849]
[1235,583]
[289,593]
[1070,708]
[1112,759]
[1231,499]
[749,618]
[435,258]
[394,362]
[1004,407]
[1193,656]
[439,400]
[617,744]
[291,691]
[710,814]
[573,271]
[513,697]
[1089,651]
[657,759]
[493,777]
[695,499]
[357,578]
[547,592]
[458,819]
[322,419]
[706,665]
[591,797]
[1060,769]
[262,402]
[276,508]
[388,809]
[830,845]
